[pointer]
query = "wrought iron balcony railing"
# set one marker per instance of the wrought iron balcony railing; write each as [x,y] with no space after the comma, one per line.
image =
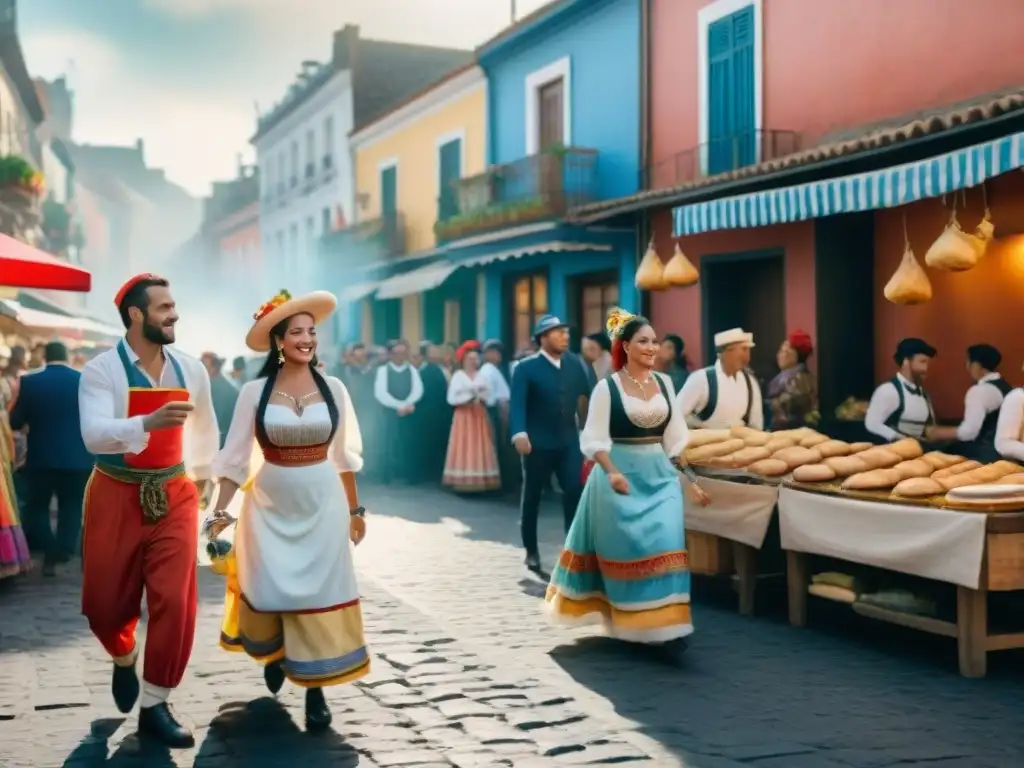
[366,241]
[535,188]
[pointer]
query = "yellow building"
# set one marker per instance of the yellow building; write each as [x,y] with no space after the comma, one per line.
[405,163]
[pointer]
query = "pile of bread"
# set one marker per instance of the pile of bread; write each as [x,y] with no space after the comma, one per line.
[901,467]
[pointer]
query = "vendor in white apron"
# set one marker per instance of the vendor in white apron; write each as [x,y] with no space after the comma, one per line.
[725,394]
[900,407]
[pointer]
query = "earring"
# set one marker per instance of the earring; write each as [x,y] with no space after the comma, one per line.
[280,357]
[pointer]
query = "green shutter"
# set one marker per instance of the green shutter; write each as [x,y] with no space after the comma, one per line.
[388,191]
[450,170]
[732,123]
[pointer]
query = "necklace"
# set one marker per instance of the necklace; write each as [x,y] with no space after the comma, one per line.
[642,385]
[298,402]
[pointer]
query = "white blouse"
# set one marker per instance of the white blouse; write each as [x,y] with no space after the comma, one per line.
[286,428]
[463,390]
[596,435]
[500,392]
[1010,427]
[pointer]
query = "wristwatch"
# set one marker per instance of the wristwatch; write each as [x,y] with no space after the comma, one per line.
[358,512]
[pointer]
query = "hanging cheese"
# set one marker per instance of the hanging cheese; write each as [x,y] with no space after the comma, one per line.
[650,275]
[953,250]
[909,284]
[983,234]
[679,271]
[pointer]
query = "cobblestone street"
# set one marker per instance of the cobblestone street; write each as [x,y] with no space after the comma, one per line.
[468,674]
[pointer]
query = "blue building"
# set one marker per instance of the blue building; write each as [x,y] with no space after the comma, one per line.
[564,130]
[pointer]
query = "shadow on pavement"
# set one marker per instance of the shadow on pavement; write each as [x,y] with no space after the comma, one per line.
[92,751]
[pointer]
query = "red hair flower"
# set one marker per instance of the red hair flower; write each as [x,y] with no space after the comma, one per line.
[274,303]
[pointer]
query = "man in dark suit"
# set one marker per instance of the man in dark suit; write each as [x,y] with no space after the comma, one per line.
[549,394]
[57,463]
[433,415]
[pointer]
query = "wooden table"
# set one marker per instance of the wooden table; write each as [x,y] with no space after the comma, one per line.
[1002,570]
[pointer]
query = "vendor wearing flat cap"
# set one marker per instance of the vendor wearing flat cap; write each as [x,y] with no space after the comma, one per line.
[725,394]
[900,407]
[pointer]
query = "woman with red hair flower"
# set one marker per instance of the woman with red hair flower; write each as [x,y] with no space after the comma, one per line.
[793,394]
[471,465]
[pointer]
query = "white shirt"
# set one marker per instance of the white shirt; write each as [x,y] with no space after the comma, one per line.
[463,390]
[103,399]
[499,391]
[884,402]
[380,386]
[980,400]
[1010,427]
[596,435]
[733,401]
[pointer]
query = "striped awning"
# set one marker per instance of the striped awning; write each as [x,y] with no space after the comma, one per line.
[886,188]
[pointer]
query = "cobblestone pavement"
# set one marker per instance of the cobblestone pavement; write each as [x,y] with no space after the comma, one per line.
[468,675]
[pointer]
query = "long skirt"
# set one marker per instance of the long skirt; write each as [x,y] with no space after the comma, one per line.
[471,465]
[14,554]
[291,593]
[625,564]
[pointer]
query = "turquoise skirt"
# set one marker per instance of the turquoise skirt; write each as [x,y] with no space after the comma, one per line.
[625,564]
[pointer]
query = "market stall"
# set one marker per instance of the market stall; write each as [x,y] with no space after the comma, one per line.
[23,266]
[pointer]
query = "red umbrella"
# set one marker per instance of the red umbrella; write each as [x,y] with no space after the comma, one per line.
[22,266]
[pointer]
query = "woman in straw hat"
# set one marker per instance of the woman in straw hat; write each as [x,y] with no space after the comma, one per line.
[625,563]
[294,604]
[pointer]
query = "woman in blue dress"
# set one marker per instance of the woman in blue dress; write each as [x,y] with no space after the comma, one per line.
[625,563]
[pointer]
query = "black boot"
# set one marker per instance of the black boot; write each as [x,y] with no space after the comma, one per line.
[318,716]
[124,685]
[273,676]
[159,723]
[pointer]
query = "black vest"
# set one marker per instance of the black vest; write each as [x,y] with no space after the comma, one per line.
[893,422]
[399,383]
[983,447]
[620,428]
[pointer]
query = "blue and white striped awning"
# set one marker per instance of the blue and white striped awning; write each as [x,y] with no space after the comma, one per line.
[887,188]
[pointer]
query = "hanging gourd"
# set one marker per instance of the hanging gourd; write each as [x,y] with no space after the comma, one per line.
[909,284]
[650,275]
[953,250]
[680,272]
[985,231]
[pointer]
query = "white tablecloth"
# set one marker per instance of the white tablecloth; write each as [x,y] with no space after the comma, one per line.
[938,544]
[738,511]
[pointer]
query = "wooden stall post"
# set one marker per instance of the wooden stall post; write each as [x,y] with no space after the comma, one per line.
[745,559]
[797,581]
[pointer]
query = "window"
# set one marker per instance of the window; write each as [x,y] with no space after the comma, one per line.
[280,245]
[325,220]
[452,318]
[293,245]
[529,303]
[311,234]
[596,301]
[550,105]
[548,95]
[310,153]
[388,190]
[281,173]
[449,161]
[328,162]
[294,164]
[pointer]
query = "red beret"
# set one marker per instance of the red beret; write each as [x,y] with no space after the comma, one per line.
[801,342]
[132,282]
[468,346]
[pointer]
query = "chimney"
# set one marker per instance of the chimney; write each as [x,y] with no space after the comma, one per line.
[8,17]
[140,146]
[345,40]
[240,165]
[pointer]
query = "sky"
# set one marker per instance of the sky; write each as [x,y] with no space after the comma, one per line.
[188,76]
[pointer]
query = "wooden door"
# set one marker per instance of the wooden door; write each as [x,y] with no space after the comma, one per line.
[551,98]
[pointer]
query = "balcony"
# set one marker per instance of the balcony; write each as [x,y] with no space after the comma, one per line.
[536,188]
[366,241]
[724,155]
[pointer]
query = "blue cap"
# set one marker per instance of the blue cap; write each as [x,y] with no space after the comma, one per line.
[547,323]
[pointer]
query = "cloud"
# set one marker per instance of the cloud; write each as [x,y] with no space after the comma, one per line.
[195,138]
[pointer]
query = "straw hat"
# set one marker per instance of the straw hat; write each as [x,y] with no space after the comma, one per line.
[733,336]
[318,304]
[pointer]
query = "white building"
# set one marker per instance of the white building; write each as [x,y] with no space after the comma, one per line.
[302,151]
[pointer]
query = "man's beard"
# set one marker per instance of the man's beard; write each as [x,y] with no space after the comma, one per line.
[157,334]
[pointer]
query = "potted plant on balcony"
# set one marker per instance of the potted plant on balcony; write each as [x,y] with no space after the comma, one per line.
[56,225]
[17,174]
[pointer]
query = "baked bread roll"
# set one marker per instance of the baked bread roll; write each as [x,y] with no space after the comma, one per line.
[797,456]
[778,442]
[831,448]
[941,460]
[989,473]
[844,466]
[812,440]
[918,487]
[769,467]
[859,447]
[701,437]
[814,473]
[705,453]
[746,456]
[873,480]
[908,448]
[744,432]
[913,468]
[1017,478]
[757,439]
[879,457]
[955,469]
[1007,467]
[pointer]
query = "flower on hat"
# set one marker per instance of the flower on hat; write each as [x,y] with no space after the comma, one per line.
[617,319]
[266,308]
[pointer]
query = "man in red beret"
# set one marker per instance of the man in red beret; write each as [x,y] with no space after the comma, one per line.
[141,512]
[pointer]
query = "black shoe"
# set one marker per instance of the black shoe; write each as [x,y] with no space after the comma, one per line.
[533,563]
[49,568]
[159,723]
[318,716]
[124,685]
[273,676]
[674,650]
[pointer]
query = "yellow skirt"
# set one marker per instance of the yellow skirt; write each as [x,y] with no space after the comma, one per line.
[316,648]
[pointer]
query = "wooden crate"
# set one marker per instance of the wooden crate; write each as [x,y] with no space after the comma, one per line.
[709,554]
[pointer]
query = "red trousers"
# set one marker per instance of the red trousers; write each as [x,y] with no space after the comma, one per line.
[122,554]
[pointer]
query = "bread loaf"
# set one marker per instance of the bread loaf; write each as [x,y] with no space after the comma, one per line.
[701,437]
[812,440]
[744,432]
[918,488]
[778,442]
[908,448]
[814,473]
[746,456]
[989,473]
[797,456]
[1017,478]
[769,467]
[858,447]
[955,469]
[879,458]
[844,466]
[873,480]
[1007,467]
[831,448]
[941,460]
[757,439]
[913,468]
[712,450]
